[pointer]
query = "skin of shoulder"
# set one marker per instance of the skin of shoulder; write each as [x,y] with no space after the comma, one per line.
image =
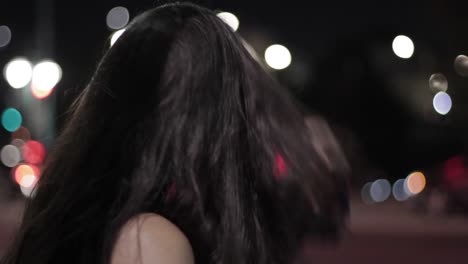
[151,239]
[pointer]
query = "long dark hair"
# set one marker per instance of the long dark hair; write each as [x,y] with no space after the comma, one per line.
[180,120]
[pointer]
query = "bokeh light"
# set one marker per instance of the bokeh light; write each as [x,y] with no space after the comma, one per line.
[28,180]
[461,65]
[403,47]
[19,143]
[280,169]
[230,19]
[117,17]
[28,191]
[380,190]
[278,57]
[5,36]
[10,156]
[442,103]
[45,77]
[415,182]
[438,82]
[26,175]
[21,133]
[11,119]
[399,190]
[365,193]
[34,152]
[115,36]
[18,73]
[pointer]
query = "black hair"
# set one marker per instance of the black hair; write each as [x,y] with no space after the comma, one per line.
[180,120]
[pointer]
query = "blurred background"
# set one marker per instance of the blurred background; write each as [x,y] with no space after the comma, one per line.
[390,76]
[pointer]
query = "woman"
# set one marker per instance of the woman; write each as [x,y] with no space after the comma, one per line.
[182,149]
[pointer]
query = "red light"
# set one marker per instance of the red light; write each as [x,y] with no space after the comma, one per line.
[279,169]
[26,175]
[33,152]
[22,133]
[454,168]
[456,173]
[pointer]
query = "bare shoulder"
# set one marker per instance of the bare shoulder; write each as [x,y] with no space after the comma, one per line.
[151,239]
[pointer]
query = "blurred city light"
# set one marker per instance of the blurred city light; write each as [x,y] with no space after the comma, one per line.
[365,193]
[45,77]
[442,103]
[116,35]
[10,156]
[21,133]
[34,152]
[19,143]
[18,73]
[278,57]
[117,17]
[26,175]
[415,182]
[5,36]
[438,82]
[11,119]
[380,190]
[230,19]
[461,65]
[403,47]
[28,191]
[28,180]
[399,190]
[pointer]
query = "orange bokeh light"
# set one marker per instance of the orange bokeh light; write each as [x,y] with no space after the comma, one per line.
[26,175]
[416,182]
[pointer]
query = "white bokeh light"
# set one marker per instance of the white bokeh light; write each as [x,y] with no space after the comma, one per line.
[117,17]
[442,103]
[26,177]
[230,19]
[278,57]
[28,191]
[46,75]
[18,73]
[380,190]
[5,36]
[403,47]
[10,156]
[399,190]
[28,180]
[115,36]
